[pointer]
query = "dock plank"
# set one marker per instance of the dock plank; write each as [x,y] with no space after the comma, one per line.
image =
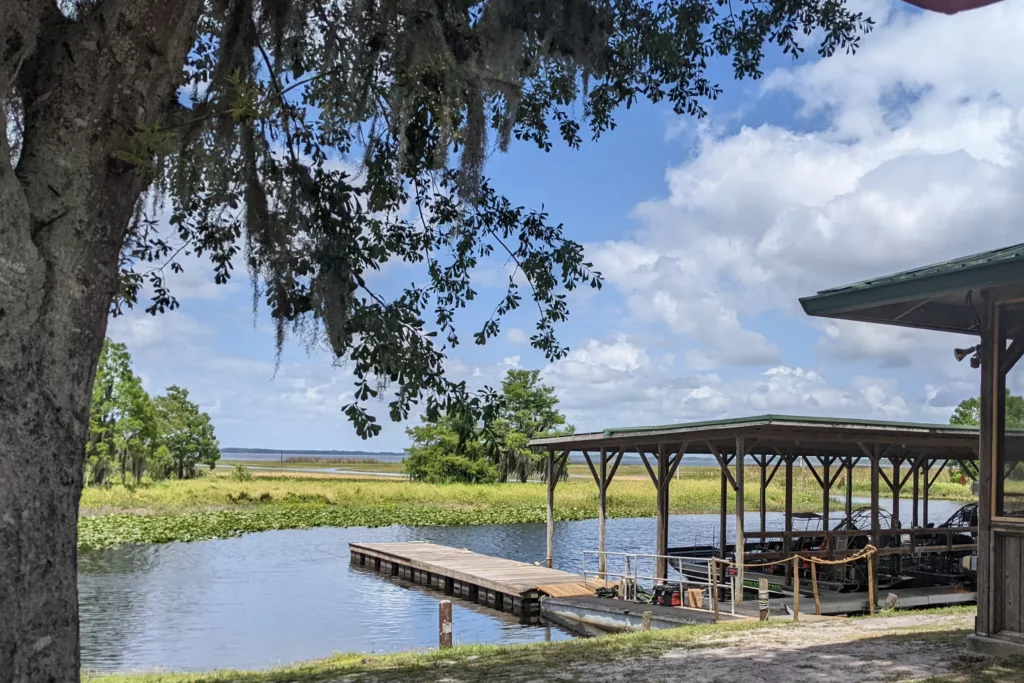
[493,573]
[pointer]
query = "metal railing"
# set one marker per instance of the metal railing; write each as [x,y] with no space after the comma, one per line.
[631,570]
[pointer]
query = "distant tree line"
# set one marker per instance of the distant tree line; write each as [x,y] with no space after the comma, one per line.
[969,413]
[132,434]
[454,448]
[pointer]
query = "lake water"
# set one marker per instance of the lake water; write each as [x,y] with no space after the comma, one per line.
[282,596]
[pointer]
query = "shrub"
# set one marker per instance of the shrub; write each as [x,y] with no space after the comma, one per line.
[436,468]
[241,473]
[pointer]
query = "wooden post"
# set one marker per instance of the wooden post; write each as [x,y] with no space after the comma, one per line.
[897,464]
[796,588]
[787,541]
[444,629]
[871,584]
[927,485]
[662,533]
[762,598]
[645,621]
[915,496]
[849,487]
[763,504]
[875,477]
[714,588]
[551,507]
[602,489]
[723,528]
[814,587]
[826,490]
[992,342]
[740,536]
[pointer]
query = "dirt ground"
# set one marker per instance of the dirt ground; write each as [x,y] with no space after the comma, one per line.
[842,651]
[897,648]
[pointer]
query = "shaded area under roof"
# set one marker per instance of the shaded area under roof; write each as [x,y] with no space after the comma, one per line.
[935,297]
[794,435]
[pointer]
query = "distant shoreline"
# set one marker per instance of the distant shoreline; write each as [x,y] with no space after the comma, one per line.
[291,452]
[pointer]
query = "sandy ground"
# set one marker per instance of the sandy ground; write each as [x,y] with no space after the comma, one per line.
[834,651]
[903,648]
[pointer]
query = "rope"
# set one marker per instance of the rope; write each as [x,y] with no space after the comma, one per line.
[867,551]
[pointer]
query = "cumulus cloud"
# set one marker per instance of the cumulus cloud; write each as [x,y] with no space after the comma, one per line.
[909,154]
[617,383]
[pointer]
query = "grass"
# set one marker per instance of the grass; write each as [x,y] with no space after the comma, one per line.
[488,661]
[499,662]
[220,506]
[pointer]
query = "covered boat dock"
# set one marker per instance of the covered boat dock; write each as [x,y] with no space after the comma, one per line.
[905,461]
[982,296]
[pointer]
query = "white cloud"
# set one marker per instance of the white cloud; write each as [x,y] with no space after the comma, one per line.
[616,383]
[516,335]
[891,347]
[914,158]
[139,330]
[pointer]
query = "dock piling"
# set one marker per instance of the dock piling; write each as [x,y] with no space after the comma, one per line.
[444,632]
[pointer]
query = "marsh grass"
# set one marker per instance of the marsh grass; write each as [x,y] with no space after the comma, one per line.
[222,506]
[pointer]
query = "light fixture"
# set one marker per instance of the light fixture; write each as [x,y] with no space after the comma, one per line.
[972,351]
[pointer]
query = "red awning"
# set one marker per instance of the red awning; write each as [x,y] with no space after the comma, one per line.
[950,6]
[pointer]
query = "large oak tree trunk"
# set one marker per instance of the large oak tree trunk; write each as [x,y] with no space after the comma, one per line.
[65,209]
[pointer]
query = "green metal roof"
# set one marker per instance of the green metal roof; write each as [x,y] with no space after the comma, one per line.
[797,424]
[767,420]
[931,297]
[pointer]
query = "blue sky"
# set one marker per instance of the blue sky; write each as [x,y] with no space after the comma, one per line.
[823,173]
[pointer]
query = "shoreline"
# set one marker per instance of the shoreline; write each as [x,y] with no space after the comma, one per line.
[222,507]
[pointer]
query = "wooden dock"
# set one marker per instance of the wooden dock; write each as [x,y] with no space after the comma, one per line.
[505,585]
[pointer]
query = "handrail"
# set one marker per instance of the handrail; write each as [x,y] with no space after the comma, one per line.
[633,572]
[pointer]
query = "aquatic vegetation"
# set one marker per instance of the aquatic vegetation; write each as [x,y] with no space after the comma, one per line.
[219,507]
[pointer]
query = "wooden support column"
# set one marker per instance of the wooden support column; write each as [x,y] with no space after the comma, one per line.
[740,508]
[554,469]
[787,541]
[662,484]
[723,529]
[916,497]
[603,479]
[763,502]
[602,490]
[894,485]
[927,485]
[826,491]
[851,462]
[550,473]
[992,380]
[873,457]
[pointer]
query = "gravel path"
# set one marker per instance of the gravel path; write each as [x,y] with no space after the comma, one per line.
[899,648]
[880,649]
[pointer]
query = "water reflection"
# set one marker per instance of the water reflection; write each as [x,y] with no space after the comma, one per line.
[283,596]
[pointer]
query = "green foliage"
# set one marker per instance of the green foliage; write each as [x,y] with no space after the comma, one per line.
[527,410]
[411,94]
[187,432]
[455,447]
[439,454]
[130,432]
[969,413]
[122,421]
[241,473]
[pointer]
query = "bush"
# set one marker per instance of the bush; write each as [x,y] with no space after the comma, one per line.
[436,468]
[241,473]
